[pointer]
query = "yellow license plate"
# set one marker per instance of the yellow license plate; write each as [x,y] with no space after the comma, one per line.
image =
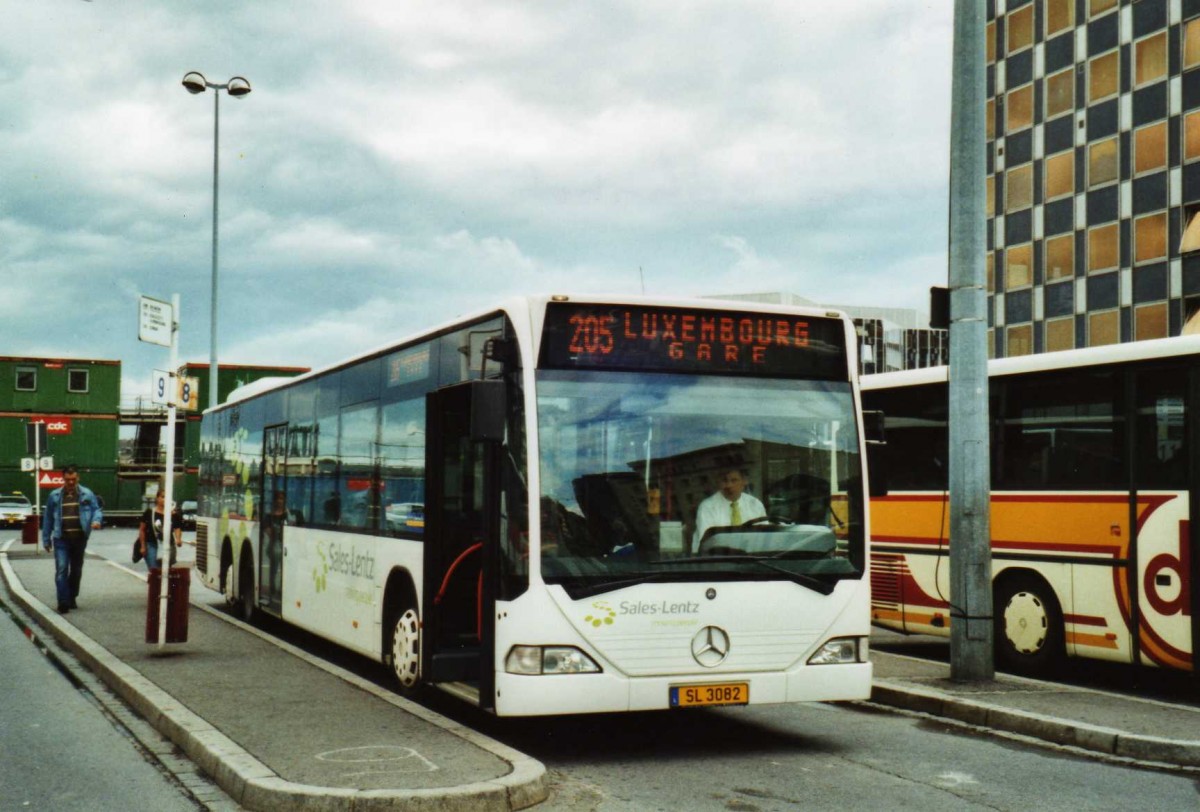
[725,693]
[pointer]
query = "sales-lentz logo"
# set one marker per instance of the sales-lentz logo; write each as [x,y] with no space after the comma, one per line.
[605,615]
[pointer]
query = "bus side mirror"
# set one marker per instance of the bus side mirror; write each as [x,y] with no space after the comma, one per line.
[876,437]
[488,411]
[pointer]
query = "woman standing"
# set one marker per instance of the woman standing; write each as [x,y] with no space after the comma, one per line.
[150,530]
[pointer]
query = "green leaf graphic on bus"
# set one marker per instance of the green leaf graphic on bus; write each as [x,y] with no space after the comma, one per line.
[320,572]
[604,614]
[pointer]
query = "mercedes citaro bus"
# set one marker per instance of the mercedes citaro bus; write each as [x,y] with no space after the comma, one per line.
[504,507]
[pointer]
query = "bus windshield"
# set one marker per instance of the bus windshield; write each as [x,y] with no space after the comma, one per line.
[628,461]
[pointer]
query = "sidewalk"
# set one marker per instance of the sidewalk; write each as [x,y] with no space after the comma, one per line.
[274,727]
[1099,721]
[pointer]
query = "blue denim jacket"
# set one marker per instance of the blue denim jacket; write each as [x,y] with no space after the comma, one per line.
[89,512]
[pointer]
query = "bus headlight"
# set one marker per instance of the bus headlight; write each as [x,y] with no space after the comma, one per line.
[838,651]
[549,660]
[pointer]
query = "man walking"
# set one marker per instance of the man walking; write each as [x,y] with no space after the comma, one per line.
[72,513]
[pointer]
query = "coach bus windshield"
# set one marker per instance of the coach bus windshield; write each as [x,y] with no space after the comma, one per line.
[638,471]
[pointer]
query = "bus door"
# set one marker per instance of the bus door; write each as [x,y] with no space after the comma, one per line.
[1164,474]
[272,515]
[461,535]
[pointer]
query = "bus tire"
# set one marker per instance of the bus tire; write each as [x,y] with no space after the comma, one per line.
[1028,626]
[245,589]
[405,649]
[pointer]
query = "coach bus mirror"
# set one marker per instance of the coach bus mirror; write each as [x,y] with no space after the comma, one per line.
[876,437]
[488,411]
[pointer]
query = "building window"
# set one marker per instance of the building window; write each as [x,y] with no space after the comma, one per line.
[1060,257]
[1098,7]
[1060,15]
[1103,76]
[1102,163]
[1060,93]
[26,379]
[1191,44]
[990,202]
[1018,193]
[1150,321]
[1060,175]
[1020,29]
[1150,148]
[991,271]
[1150,59]
[1150,237]
[77,380]
[990,36]
[1060,334]
[1019,109]
[1103,328]
[990,118]
[991,343]
[1018,267]
[1019,340]
[1191,136]
[1103,242]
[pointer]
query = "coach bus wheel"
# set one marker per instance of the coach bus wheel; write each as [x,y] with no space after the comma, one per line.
[1029,626]
[406,650]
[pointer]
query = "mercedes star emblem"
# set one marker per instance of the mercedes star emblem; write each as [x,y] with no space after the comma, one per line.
[710,646]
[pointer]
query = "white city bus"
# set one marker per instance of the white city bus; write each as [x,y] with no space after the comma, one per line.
[1092,476]
[504,507]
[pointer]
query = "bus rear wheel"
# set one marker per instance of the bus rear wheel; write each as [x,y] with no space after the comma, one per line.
[1028,626]
[406,650]
[245,590]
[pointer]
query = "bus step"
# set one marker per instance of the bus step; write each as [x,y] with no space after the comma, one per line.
[461,665]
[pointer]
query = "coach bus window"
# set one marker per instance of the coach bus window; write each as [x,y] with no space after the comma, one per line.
[917,445]
[1061,431]
[1161,436]
[402,467]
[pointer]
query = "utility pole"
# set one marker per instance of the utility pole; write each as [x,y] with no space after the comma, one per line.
[971,630]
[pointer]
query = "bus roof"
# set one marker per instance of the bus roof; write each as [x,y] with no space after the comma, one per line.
[1048,361]
[533,307]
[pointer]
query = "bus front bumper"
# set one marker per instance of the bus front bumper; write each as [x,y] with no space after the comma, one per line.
[522,695]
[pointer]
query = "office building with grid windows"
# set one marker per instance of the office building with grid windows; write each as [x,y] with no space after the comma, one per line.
[1093,187]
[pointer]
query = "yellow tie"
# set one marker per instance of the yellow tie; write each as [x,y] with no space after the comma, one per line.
[735,515]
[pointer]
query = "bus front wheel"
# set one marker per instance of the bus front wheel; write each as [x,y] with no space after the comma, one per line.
[1029,626]
[406,650]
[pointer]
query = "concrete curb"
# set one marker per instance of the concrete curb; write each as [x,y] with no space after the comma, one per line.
[1108,741]
[250,782]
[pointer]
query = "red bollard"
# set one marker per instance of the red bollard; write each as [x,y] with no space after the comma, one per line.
[178,586]
[29,530]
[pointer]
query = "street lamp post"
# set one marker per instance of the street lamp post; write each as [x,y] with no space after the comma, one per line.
[237,87]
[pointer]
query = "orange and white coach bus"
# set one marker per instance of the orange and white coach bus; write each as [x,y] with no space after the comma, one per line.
[505,507]
[1094,471]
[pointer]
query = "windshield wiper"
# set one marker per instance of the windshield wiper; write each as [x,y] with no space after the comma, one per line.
[599,587]
[812,582]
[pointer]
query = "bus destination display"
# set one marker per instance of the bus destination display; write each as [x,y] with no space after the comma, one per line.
[672,339]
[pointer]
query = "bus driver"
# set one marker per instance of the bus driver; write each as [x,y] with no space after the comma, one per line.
[729,506]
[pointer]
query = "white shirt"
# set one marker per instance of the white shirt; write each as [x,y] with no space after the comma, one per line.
[717,511]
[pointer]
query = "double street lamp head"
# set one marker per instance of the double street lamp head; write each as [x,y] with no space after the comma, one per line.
[195,82]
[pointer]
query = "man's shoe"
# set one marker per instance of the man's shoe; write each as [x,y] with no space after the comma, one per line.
[74,605]
[63,608]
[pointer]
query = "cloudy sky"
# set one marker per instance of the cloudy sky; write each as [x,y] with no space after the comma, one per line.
[400,163]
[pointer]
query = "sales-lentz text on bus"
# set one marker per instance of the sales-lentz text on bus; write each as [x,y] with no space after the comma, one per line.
[505,507]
